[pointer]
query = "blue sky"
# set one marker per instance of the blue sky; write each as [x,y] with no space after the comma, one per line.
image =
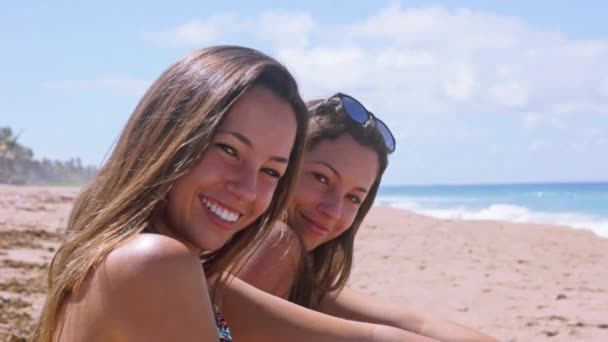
[475,91]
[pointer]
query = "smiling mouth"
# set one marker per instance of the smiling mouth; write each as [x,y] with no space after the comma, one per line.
[221,212]
[315,227]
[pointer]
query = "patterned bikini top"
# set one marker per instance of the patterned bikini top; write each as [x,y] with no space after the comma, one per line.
[222,328]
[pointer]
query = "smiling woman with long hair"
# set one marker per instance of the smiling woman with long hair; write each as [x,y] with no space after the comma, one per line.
[193,175]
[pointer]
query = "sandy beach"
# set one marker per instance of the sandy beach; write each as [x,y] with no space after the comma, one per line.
[518,282]
[31,222]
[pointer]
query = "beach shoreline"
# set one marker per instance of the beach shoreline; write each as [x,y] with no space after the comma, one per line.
[518,282]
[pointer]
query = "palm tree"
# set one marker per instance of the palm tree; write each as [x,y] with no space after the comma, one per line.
[18,166]
[14,158]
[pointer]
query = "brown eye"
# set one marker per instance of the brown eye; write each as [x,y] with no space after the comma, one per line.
[354,199]
[320,178]
[228,149]
[272,173]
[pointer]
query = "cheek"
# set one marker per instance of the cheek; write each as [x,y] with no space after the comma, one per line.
[307,194]
[177,196]
[175,209]
[342,227]
[347,219]
[265,193]
[182,195]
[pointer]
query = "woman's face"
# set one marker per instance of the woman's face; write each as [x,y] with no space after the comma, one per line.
[234,181]
[335,179]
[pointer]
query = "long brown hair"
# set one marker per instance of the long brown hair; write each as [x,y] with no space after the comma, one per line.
[327,267]
[170,128]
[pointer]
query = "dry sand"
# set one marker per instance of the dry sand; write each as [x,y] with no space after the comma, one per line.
[31,221]
[518,282]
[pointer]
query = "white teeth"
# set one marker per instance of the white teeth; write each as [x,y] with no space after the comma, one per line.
[226,215]
[222,213]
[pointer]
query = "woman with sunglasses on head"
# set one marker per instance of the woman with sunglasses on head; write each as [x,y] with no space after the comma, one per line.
[193,175]
[341,170]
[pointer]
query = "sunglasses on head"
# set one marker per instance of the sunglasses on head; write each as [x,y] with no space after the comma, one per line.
[359,114]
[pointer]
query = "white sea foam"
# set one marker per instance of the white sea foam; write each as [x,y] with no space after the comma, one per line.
[503,212]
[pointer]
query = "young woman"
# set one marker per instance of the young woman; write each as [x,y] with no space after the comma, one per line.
[193,175]
[341,171]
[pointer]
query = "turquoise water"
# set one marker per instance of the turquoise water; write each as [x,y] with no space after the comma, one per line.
[579,205]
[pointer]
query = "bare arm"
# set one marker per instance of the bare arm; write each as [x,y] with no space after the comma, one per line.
[350,304]
[271,268]
[256,316]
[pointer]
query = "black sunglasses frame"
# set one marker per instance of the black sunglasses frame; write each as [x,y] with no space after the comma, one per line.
[389,139]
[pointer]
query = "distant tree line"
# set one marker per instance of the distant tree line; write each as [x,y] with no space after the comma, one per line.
[18,166]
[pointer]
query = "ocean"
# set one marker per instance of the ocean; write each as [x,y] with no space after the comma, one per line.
[578,205]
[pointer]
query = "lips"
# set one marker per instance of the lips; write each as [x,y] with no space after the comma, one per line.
[314,226]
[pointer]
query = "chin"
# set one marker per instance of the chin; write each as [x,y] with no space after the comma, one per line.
[212,245]
[311,245]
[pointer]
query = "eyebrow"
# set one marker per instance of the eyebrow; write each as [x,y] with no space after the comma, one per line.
[360,189]
[248,142]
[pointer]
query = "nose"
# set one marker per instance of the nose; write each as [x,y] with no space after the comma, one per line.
[331,205]
[243,184]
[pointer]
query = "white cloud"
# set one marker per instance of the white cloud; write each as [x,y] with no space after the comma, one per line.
[197,33]
[532,121]
[463,28]
[191,33]
[593,137]
[417,66]
[535,121]
[405,58]
[280,28]
[427,60]
[325,69]
[483,61]
[539,145]
[118,84]
[458,82]
[510,94]
[603,88]
[286,28]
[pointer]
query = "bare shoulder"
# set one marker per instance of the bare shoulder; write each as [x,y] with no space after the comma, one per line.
[273,264]
[285,240]
[150,265]
[147,252]
[135,288]
[150,278]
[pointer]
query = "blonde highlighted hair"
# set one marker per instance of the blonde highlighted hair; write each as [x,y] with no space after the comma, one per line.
[170,128]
